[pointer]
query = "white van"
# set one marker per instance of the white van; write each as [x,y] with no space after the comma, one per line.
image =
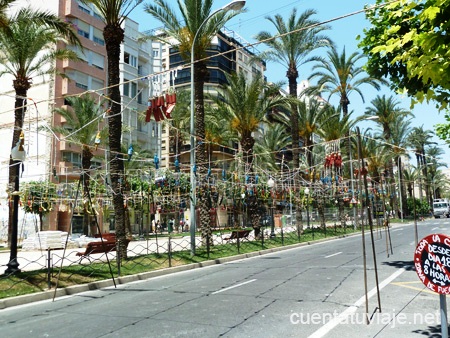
[441,208]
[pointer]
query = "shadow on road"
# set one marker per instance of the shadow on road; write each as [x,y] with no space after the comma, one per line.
[407,265]
[431,332]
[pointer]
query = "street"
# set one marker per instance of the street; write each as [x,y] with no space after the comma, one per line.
[311,291]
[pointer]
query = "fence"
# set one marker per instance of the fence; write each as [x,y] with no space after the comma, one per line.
[47,269]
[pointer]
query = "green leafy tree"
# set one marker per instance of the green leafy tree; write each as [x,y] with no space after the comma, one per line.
[28,47]
[295,39]
[405,43]
[113,13]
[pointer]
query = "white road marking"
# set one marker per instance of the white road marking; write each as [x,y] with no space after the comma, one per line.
[352,309]
[335,254]
[233,286]
[435,229]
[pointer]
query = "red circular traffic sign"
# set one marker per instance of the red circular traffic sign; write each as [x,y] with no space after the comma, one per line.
[432,262]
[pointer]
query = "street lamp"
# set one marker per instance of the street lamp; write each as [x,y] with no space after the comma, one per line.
[17,156]
[271,184]
[234,5]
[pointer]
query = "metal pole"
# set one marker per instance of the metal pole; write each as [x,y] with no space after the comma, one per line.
[400,189]
[353,188]
[444,321]
[13,265]
[369,215]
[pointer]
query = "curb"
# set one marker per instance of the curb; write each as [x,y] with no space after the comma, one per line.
[72,290]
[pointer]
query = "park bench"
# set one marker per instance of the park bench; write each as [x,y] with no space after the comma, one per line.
[238,234]
[97,247]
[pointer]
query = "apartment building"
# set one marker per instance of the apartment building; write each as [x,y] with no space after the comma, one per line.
[49,157]
[228,53]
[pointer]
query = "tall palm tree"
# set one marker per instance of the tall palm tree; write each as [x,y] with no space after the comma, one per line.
[334,128]
[79,115]
[273,139]
[244,109]
[28,50]
[310,116]
[340,74]
[194,21]
[179,123]
[291,46]
[400,128]
[387,111]
[113,13]
[434,162]
[418,139]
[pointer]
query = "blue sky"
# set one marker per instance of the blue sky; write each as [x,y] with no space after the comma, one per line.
[343,32]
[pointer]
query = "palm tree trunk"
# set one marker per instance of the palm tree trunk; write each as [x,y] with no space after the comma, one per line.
[247,143]
[21,88]
[113,38]
[201,156]
[292,78]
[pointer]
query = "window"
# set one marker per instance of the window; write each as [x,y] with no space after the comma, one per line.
[83,28]
[81,79]
[133,90]
[73,158]
[84,9]
[98,37]
[155,53]
[97,60]
[97,84]
[126,87]
[130,59]
[99,41]
[139,98]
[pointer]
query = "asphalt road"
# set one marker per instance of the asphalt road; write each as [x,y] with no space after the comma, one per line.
[311,291]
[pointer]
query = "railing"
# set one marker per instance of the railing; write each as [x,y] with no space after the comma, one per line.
[46,269]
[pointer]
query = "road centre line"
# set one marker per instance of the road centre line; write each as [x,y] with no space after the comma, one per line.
[335,254]
[233,286]
[352,309]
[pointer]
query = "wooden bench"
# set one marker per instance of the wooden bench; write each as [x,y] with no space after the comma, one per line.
[97,247]
[238,234]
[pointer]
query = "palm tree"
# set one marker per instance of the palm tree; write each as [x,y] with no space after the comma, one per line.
[273,139]
[4,20]
[179,123]
[332,129]
[400,129]
[28,50]
[113,13]
[310,116]
[244,109]
[295,40]
[195,20]
[386,110]
[339,74]
[418,139]
[79,115]
[434,154]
